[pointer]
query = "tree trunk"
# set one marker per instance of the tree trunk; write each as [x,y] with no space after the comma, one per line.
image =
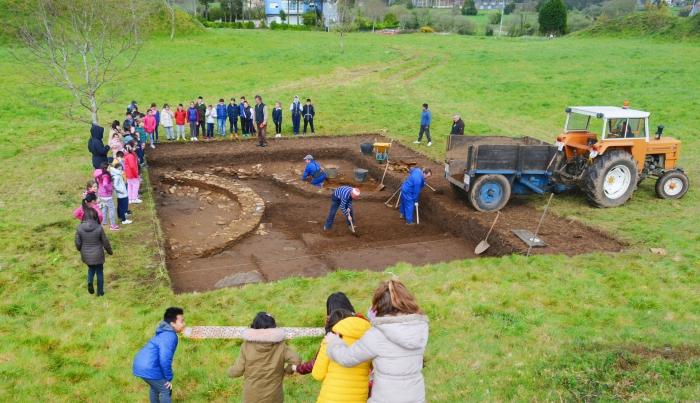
[172,29]
[342,48]
[93,110]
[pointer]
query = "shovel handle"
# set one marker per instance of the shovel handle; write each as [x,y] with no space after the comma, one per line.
[498,214]
[385,169]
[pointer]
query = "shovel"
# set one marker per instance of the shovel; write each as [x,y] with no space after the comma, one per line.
[352,228]
[483,245]
[438,192]
[381,185]
[392,196]
[417,215]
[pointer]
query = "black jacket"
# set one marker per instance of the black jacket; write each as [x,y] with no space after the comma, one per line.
[232,111]
[90,239]
[308,112]
[99,151]
[202,109]
[458,127]
[277,115]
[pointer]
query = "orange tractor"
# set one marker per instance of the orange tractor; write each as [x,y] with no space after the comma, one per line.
[611,167]
[491,168]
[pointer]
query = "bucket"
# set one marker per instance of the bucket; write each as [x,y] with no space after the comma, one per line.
[331,171]
[360,174]
[367,148]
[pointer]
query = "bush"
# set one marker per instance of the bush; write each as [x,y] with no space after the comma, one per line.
[464,25]
[509,8]
[577,21]
[427,30]
[274,25]
[263,24]
[469,8]
[215,13]
[489,30]
[249,25]
[390,21]
[445,22]
[309,18]
[495,18]
[685,11]
[283,16]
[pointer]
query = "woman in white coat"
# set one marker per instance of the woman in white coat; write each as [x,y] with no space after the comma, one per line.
[395,344]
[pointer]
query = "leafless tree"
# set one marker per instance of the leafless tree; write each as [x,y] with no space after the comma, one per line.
[170,6]
[343,21]
[79,46]
[375,11]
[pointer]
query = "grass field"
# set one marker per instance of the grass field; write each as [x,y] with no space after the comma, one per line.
[598,327]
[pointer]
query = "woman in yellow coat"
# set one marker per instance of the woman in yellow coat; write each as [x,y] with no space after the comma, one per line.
[340,384]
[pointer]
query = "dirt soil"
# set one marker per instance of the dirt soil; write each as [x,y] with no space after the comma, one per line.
[290,240]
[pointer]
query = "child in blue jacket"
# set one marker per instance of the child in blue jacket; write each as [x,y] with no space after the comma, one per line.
[154,363]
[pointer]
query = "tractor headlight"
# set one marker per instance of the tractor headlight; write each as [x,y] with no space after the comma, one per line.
[593,154]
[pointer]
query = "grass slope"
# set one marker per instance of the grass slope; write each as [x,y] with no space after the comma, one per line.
[597,327]
[644,24]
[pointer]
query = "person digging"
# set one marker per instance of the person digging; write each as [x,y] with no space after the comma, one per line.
[314,170]
[410,190]
[342,198]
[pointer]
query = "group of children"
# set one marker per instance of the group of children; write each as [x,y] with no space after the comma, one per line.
[380,358]
[198,114]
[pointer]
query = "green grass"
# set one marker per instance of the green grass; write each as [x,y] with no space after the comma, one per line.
[597,327]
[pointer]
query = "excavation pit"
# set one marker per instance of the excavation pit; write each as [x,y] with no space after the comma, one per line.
[234,214]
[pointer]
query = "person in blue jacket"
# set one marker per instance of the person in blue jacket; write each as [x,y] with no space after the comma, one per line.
[154,363]
[232,113]
[425,120]
[342,197]
[410,190]
[221,113]
[156,113]
[314,170]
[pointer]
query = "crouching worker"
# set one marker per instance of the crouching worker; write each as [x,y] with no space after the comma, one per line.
[154,363]
[410,190]
[342,197]
[314,170]
[261,361]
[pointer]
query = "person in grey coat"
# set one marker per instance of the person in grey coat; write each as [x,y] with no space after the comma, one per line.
[90,239]
[395,344]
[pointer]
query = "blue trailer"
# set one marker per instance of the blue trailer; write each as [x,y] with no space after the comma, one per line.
[491,168]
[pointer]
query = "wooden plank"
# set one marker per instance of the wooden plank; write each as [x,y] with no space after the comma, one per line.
[527,236]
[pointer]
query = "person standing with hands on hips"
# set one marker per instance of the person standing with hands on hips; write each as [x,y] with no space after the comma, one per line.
[425,121]
[296,110]
[314,170]
[309,112]
[261,121]
[342,197]
[410,190]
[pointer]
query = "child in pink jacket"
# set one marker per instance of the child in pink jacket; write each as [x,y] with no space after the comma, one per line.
[104,192]
[149,125]
[90,201]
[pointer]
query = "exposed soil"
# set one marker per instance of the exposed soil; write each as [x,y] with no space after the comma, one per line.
[290,240]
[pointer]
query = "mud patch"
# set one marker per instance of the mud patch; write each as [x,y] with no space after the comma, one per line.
[290,240]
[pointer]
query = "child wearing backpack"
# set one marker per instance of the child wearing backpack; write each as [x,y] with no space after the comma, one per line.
[262,360]
[104,192]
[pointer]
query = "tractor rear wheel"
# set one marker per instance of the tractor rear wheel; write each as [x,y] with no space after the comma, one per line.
[611,179]
[489,193]
[672,185]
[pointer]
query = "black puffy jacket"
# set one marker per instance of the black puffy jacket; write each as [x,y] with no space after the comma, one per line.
[96,147]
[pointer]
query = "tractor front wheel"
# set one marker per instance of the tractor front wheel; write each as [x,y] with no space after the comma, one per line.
[672,185]
[611,179]
[489,193]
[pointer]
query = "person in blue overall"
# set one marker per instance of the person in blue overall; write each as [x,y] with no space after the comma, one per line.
[342,197]
[314,170]
[410,190]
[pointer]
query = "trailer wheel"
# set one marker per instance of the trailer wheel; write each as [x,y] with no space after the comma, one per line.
[611,179]
[672,185]
[489,193]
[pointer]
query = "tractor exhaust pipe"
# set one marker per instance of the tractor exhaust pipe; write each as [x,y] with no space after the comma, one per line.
[658,132]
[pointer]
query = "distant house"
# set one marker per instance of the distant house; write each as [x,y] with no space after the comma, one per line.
[294,10]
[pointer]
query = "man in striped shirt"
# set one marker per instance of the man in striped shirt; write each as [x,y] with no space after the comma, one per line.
[342,197]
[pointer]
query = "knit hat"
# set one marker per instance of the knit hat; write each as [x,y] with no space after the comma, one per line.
[355,193]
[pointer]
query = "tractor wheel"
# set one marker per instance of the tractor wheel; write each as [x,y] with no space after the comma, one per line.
[611,179]
[672,185]
[489,193]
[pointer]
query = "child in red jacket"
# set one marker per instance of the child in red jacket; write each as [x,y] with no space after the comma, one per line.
[180,118]
[131,169]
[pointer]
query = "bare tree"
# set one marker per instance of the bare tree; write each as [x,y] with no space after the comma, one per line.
[170,6]
[79,46]
[375,11]
[140,10]
[404,18]
[342,21]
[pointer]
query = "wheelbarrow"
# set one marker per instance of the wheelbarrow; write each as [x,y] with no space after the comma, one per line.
[381,151]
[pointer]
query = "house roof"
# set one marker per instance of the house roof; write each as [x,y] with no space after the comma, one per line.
[609,112]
